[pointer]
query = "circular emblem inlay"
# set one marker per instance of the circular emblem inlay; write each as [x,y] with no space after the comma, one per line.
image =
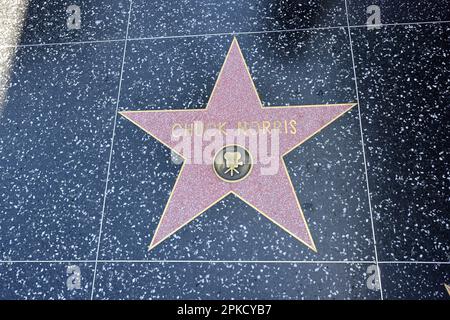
[232,163]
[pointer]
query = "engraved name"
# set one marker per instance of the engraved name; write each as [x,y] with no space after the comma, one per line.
[243,127]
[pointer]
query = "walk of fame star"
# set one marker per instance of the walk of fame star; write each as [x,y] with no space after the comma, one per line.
[234,100]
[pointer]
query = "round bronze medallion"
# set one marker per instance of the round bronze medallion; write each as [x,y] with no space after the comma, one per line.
[232,163]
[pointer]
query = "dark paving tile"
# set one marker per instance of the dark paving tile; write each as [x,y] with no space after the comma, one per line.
[328,174]
[171,73]
[328,167]
[403,77]
[188,17]
[231,281]
[46,21]
[45,281]
[55,131]
[308,67]
[414,281]
[289,68]
[399,11]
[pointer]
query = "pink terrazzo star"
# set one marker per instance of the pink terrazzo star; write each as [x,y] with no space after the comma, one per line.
[234,100]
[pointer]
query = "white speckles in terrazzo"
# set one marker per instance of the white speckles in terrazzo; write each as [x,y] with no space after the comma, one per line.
[56,127]
[403,77]
[46,21]
[169,18]
[400,11]
[232,281]
[55,134]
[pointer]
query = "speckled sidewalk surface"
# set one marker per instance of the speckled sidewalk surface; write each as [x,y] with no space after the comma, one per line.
[83,189]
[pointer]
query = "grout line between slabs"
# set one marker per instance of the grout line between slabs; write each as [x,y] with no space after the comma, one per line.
[111,151]
[234,261]
[364,152]
[223,34]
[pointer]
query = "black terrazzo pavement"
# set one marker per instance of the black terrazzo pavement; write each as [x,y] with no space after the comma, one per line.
[59,94]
